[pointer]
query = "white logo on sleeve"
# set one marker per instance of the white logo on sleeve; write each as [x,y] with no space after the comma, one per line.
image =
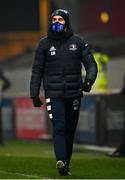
[52,51]
[72,47]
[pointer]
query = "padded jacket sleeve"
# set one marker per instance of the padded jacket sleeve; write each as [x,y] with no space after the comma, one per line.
[37,70]
[89,63]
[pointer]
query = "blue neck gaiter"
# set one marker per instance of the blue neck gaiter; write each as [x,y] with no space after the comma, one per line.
[58,27]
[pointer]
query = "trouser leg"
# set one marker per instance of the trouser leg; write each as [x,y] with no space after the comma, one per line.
[57,115]
[72,106]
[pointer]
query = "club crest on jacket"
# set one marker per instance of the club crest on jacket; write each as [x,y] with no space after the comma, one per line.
[73,47]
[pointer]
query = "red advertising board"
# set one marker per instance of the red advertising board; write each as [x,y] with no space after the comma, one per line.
[31,122]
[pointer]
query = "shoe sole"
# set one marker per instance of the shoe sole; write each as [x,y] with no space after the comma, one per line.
[60,164]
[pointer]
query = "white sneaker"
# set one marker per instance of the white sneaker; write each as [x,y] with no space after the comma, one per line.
[62,168]
[60,165]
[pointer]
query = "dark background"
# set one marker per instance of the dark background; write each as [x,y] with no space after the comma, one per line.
[19,15]
[90,16]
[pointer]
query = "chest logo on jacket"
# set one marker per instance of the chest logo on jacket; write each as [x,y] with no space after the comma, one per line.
[72,47]
[52,51]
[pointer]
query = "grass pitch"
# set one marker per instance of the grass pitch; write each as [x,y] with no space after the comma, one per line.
[36,160]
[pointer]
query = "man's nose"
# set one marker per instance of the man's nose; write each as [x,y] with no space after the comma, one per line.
[56,20]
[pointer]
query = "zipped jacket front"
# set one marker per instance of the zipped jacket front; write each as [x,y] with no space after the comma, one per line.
[58,64]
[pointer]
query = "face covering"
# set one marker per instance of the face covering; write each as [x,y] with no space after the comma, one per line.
[58,27]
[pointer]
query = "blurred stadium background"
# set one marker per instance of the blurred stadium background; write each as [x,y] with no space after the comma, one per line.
[22,24]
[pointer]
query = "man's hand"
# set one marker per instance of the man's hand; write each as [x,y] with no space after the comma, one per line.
[87,85]
[37,102]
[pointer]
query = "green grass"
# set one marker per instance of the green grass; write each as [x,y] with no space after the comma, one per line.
[35,160]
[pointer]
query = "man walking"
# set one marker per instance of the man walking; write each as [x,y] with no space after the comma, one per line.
[57,63]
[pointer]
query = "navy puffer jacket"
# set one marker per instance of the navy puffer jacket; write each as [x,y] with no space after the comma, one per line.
[58,62]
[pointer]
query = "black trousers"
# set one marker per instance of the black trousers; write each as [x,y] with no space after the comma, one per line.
[64,115]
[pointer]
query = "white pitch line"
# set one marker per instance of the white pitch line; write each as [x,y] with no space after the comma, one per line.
[24,175]
[99,148]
